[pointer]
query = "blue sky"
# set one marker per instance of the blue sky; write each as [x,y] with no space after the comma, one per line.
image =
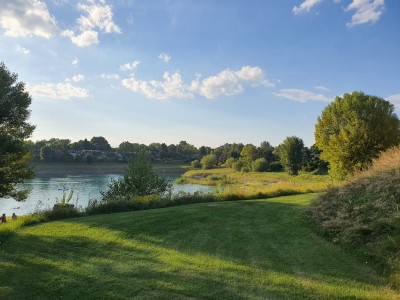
[207,72]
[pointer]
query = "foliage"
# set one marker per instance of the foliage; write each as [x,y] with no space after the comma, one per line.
[314,162]
[46,153]
[248,154]
[15,165]
[237,165]
[291,154]
[195,164]
[365,211]
[100,143]
[260,165]
[208,161]
[275,166]
[140,179]
[245,169]
[353,130]
[229,162]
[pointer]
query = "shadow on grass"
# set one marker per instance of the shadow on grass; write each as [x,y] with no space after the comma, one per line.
[235,250]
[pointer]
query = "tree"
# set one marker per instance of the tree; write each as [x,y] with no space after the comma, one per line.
[140,179]
[100,143]
[291,154]
[248,154]
[15,158]
[353,130]
[46,153]
[209,161]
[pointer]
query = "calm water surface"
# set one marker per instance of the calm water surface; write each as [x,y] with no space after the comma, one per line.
[48,191]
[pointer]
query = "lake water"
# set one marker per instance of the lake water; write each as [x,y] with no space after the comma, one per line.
[48,191]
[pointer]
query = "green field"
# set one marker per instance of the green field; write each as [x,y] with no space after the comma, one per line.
[256,249]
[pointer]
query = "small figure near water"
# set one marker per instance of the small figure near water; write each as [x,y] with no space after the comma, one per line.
[14,217]
[3,218]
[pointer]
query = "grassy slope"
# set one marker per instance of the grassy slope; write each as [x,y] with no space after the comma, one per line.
[232,250]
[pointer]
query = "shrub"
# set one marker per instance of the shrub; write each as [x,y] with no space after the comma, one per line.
[237,166]
[260,165]
[245,169]
[196,164]
[208,161]
[140,179]
[229,162]
[275,167]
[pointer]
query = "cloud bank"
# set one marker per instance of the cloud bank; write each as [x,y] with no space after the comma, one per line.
[225,83]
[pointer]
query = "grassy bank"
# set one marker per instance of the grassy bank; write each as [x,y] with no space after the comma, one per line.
[256,184]
[62,169]
[227,250]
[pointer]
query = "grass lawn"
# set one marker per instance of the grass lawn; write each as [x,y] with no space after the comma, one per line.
[250,184]
[256,249]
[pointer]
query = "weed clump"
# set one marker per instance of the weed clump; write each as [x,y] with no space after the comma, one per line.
[365,212]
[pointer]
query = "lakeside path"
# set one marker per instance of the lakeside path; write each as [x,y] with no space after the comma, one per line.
[63,169]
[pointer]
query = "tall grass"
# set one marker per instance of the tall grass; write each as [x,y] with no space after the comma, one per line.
[365,212]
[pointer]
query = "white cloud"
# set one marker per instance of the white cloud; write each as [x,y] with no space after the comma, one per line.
[86,38]
[22,50]
[109,76]
[164,57]
[21,18]
[129,66]
[305,6]
[62,91]
[322,88]
[172,87]
[365,11]
[395,100]
[228,82]
[99,17]
[78,78]
[75,61]
[301,95]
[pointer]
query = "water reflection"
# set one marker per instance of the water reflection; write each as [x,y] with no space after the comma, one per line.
[45,192]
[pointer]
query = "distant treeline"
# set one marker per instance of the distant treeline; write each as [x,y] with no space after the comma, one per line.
[98,149]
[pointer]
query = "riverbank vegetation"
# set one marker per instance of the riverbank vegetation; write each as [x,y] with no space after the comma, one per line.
[213,249]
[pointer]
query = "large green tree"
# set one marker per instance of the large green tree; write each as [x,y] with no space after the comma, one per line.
[15,165]
[291,154]
[353,130]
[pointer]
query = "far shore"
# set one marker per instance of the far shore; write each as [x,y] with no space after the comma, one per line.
[63,169]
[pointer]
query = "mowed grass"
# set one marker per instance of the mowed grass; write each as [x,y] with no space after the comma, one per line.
[256,249]
[258,184]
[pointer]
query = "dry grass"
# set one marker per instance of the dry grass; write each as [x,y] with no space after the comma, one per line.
[365,212]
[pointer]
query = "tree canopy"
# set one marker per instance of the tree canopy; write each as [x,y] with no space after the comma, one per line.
[353,130]
[15,165]
[291,154]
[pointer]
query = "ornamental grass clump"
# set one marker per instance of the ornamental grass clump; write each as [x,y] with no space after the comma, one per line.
[365,212]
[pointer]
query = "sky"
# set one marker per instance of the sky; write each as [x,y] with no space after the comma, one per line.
[203,71]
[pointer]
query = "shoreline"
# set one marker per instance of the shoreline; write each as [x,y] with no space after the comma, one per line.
[64,169]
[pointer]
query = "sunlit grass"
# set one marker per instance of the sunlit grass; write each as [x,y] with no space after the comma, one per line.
[222,250]
[256,184]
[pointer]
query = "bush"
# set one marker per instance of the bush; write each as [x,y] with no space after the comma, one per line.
[140,179]
[365,212]
[237,166]
[195,164]
[208,161]
[275,167]
[245,169]
[260,165]
[229,162]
